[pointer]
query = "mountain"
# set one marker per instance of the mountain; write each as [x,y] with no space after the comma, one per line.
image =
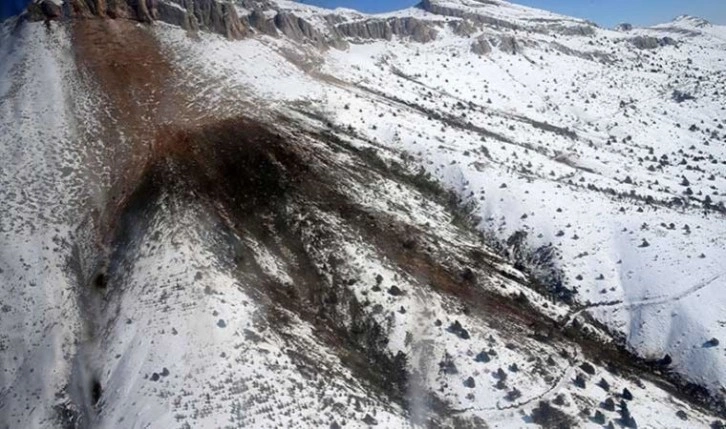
[464,214]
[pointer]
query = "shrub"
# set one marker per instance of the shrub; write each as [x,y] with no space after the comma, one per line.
[550,417]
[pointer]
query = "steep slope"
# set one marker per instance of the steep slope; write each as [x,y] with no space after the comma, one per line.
[250,230]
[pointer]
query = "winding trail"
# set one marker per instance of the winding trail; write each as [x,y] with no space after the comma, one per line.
[645,302]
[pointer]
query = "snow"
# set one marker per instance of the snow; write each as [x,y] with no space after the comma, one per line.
[546,172]
[549,142]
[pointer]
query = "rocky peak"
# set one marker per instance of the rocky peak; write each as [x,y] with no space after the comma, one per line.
[692,21]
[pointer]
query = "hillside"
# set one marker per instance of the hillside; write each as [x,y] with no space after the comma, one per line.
[266,214]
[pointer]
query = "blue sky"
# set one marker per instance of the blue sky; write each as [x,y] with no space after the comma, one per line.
[11,7]
[605,12]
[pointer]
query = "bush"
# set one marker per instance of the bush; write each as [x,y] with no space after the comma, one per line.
[627,395]
[550,417]
[579,381]
[604,385]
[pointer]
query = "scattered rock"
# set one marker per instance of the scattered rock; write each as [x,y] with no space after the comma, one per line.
[458,330]
[627,395]
[587,368]
[713,342]
[482,357]
[369,420]
[395,291]
[470,383]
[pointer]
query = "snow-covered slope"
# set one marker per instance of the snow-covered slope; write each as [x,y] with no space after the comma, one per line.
[463,214]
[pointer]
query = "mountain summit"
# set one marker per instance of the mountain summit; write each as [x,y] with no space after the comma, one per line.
[465,214]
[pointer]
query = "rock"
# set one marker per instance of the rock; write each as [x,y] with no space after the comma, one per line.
[395,291]
[470,383]
[462,27]
[482,357]
[608,404]
[648,42]
[45,10]
[713,342]
[217,16]
[260,22]
[624,27]
[447,365]
[665,362]
[604,385]
[175,16]
[587,368]
[481,46]
[572,30]
[298,29]
[439,9]
[468,275]
[369,420]
[500,374]
[385,29]
[513,395]
[458,330]
[509,45]
[579,381]
[627,395]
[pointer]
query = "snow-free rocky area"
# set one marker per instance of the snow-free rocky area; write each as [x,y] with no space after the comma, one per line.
[261,214]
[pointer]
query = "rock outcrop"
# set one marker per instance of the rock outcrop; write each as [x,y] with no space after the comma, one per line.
[481,46]
[385,29]
[300,30]
[509,45]
[262,23]
[572,30]
[647,42]
[462,27]
[624,27]
[209,15]
[438,9]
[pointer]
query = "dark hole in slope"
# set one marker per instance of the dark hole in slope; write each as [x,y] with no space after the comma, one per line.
[100,281]
[96,391]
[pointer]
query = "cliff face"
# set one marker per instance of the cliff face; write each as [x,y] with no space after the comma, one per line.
[264,17]
[385,29]
[207,15]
